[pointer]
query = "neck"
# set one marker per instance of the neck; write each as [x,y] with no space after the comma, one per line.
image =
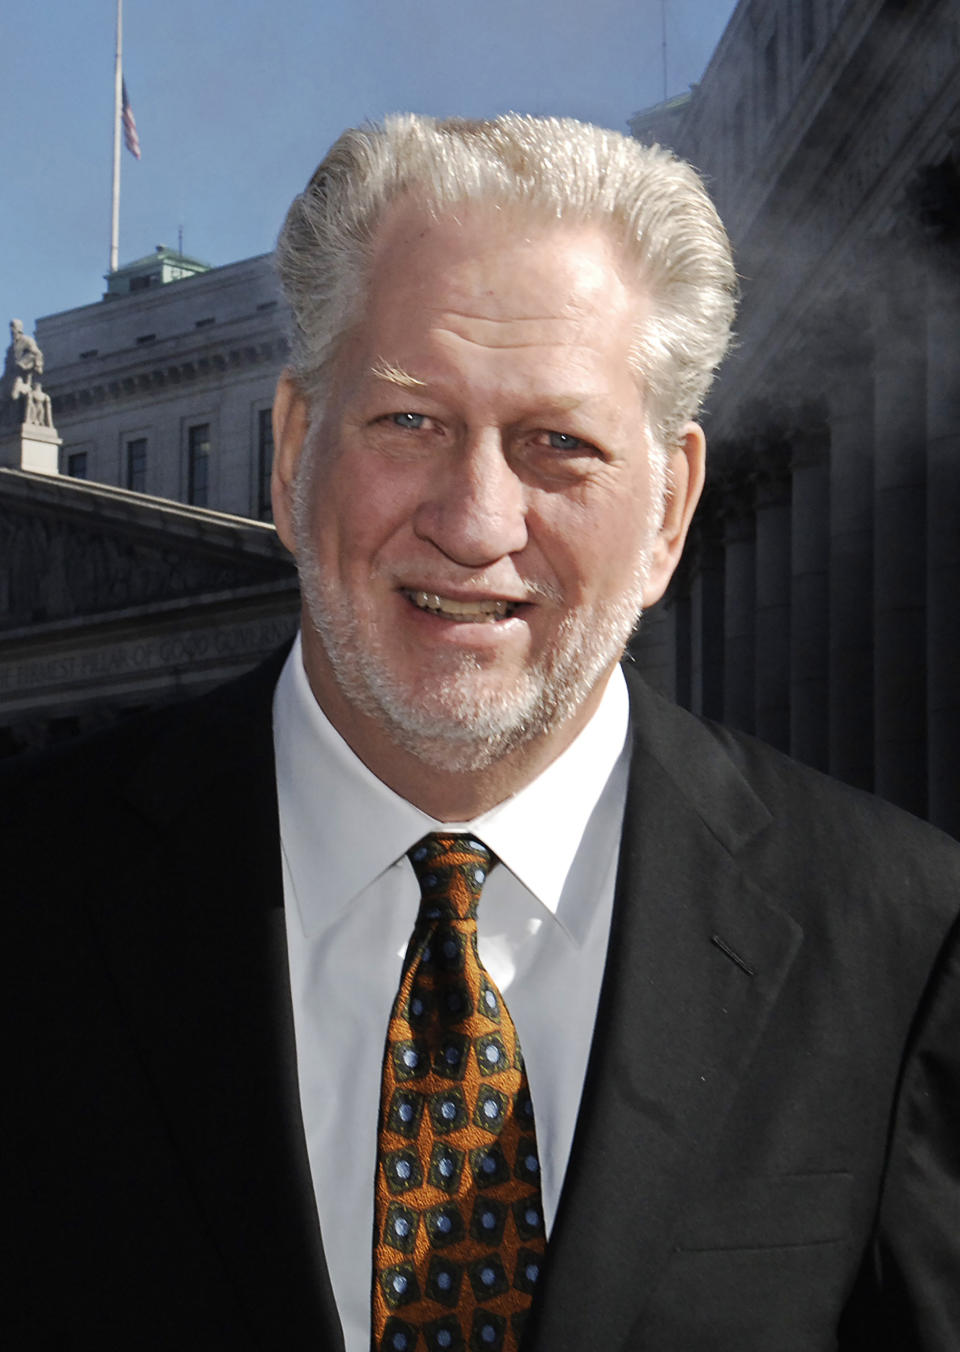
[447,795]
[463,795]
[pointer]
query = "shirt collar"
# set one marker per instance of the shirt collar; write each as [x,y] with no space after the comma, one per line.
[335,810]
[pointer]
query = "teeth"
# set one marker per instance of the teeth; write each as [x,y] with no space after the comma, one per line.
[461,610]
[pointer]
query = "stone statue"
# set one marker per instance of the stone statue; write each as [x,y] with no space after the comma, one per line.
[21,377]
[38,411]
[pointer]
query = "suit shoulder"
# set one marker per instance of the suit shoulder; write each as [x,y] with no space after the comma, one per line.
[49,789]
[46,782]
[814,827]
[834,809]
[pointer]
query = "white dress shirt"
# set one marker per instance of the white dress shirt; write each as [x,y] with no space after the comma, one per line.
[351,899]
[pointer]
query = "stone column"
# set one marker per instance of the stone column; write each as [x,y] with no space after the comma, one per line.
[943,524]
[706,609]
[810,590]
[679,603]
[653,649]
[773,621]
[739,599]
[851,404]
[899,549]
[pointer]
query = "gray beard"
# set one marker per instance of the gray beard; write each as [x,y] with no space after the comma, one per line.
[464,720]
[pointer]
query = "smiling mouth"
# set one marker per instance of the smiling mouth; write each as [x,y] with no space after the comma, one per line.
[484,611]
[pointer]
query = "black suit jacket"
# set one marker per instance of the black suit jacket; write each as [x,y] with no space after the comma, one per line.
[768,1149]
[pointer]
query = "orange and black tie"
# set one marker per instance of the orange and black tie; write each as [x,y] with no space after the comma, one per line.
[459,1240]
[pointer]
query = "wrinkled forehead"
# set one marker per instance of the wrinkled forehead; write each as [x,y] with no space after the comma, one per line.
[498,258]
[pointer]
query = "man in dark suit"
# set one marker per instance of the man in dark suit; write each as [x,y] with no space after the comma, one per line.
[735,983]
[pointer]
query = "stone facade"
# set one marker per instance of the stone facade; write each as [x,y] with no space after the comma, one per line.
[146,569]
[818,606]
[817,603]
[167,388]
[112,602]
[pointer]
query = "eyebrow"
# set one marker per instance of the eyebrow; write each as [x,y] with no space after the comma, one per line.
[397,376]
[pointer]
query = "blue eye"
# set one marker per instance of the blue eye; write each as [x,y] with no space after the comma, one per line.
[413,421]
[562,441]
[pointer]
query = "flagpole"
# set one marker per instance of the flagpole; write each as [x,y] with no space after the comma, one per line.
[117,96]
[663,44]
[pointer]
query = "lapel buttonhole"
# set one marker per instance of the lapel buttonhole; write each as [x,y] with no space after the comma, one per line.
[732,955]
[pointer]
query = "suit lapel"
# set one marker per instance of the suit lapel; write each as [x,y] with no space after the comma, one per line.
[696,960]
[197,946]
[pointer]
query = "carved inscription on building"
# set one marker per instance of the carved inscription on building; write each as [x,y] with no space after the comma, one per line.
[58,568]
[136,658]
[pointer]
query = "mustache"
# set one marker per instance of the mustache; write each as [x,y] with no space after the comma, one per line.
[518,590]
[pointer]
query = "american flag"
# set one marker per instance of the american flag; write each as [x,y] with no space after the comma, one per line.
[130,138]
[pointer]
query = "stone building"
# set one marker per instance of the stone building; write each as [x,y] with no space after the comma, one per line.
[112,602]
[165,385]
[139,565]
[819,605]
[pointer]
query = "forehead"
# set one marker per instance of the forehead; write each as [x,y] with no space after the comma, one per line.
[513,277]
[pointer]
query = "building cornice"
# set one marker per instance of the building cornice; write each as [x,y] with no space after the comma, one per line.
[167,363]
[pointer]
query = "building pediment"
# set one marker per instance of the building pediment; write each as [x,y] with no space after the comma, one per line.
[79,549]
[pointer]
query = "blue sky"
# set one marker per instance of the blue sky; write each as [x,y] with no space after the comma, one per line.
[236,102]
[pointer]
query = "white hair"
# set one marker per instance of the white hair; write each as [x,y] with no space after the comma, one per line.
[653,204]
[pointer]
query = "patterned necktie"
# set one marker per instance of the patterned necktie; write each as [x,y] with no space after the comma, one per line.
[458,1231]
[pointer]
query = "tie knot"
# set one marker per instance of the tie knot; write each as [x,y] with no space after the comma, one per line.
[451,870]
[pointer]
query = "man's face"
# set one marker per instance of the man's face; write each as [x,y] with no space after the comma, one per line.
[480,511]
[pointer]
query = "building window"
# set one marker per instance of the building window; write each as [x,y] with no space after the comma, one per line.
[770,73]
[137,465]
[77,465]
[198,482]
[264,463]
[807,30]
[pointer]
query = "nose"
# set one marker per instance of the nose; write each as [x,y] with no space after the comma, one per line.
[475,509]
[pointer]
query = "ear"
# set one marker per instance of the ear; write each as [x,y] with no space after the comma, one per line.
[685,470]
[290,425]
